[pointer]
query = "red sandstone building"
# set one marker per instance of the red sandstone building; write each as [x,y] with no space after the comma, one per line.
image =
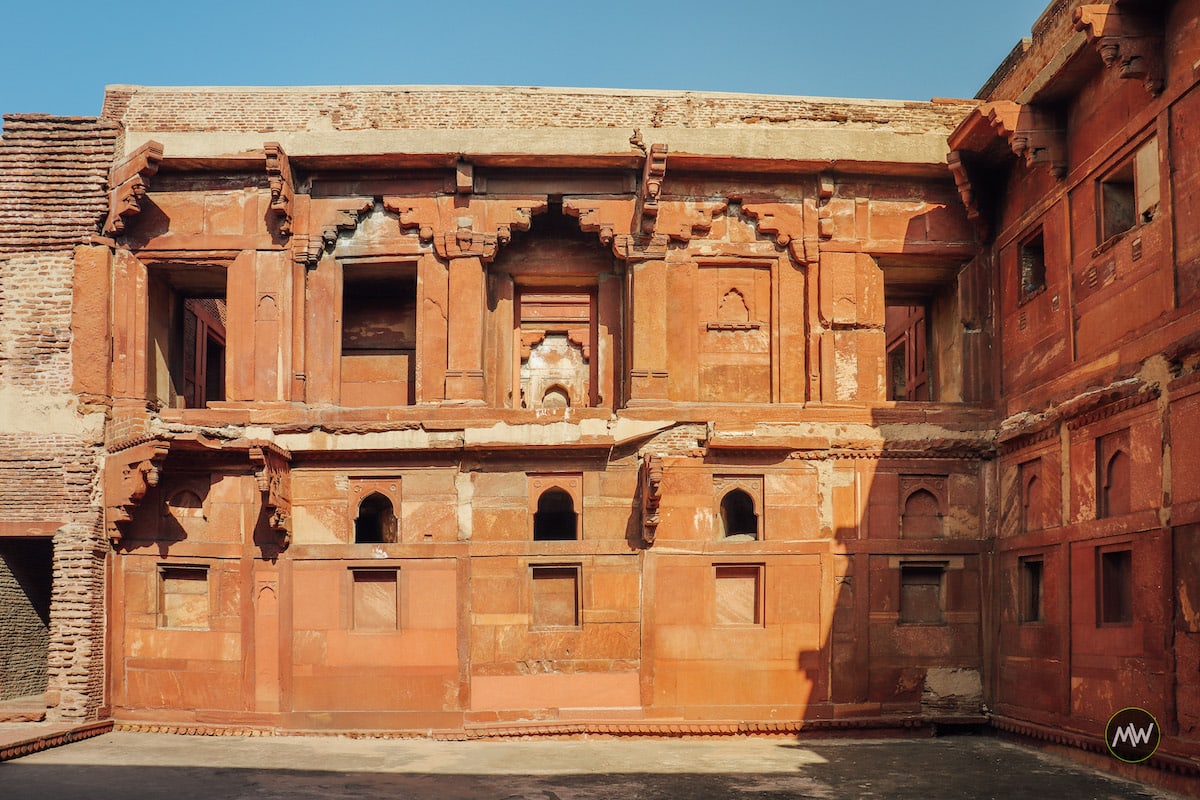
[512,410]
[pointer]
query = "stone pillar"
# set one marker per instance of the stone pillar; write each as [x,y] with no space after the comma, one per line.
[75,680]
[648,371]
[464,339]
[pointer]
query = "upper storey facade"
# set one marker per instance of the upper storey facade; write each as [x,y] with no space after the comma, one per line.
[528,249]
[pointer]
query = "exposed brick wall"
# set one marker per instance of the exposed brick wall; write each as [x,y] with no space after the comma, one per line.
[53,183]
[53,173]
[247,110]
[35,321]
[678,440]
[24,616]
[76,652]
[45,477]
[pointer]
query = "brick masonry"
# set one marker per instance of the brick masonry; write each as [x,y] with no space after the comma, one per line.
[53,196]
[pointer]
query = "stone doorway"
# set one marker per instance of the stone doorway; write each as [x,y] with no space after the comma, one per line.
[26,572]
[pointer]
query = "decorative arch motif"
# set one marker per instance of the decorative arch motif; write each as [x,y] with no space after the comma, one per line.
[922,506]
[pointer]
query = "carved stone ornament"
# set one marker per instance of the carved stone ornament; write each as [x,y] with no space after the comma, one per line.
[784,220]
[127,185]
[1129,40]
[652,475]
[128,474]
[653,174]
[279,178]
[307,248]
[274,480]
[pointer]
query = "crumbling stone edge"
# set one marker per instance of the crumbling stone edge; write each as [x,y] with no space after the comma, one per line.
[36,744]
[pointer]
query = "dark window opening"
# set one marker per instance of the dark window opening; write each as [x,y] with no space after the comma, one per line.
[1031,590]
[1129,195]
[1032,278]
[921,593]
[737,514]
[376,521]
[555,519]
[907,331]
[186,359]
[1116,587]
[379,332]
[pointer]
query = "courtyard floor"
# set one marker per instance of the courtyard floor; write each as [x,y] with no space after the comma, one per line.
[150,766]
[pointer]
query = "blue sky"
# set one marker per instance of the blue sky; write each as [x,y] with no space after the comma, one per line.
[57,55]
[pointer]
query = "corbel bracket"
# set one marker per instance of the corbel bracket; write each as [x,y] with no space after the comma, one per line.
[685,220]
[1130,41]
[308,248]
[1032,134]
[127,185]
[274,480]
[966,191]
[652,475]
[785,220]
[629,247]
[282,183]
[128,474]
[1040,141]
[653,174]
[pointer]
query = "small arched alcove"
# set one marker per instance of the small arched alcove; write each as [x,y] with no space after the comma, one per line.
[922,516]
[556,397]
[555,519]
[376,521]
[737,515]
[1115,493]
[1031,504]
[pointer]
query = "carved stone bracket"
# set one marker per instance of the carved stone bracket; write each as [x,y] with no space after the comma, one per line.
[1128,40]
[419,213]
[629,247]
[653,174]
[274,479]
[279,178]
[308,248]
[785,220]
[608,218]
[651,475]
[966,191]
[684,220]
[128,474]
[466,243]
[1040,140]
[825,188]
[127,185]
[457,232]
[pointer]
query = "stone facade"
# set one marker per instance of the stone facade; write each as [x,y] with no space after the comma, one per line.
[526,410]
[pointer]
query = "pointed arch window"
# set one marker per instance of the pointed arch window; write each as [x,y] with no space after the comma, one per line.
[376,521]
[555,518]
[738,516]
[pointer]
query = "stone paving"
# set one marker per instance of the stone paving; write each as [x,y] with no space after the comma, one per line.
[149,766]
